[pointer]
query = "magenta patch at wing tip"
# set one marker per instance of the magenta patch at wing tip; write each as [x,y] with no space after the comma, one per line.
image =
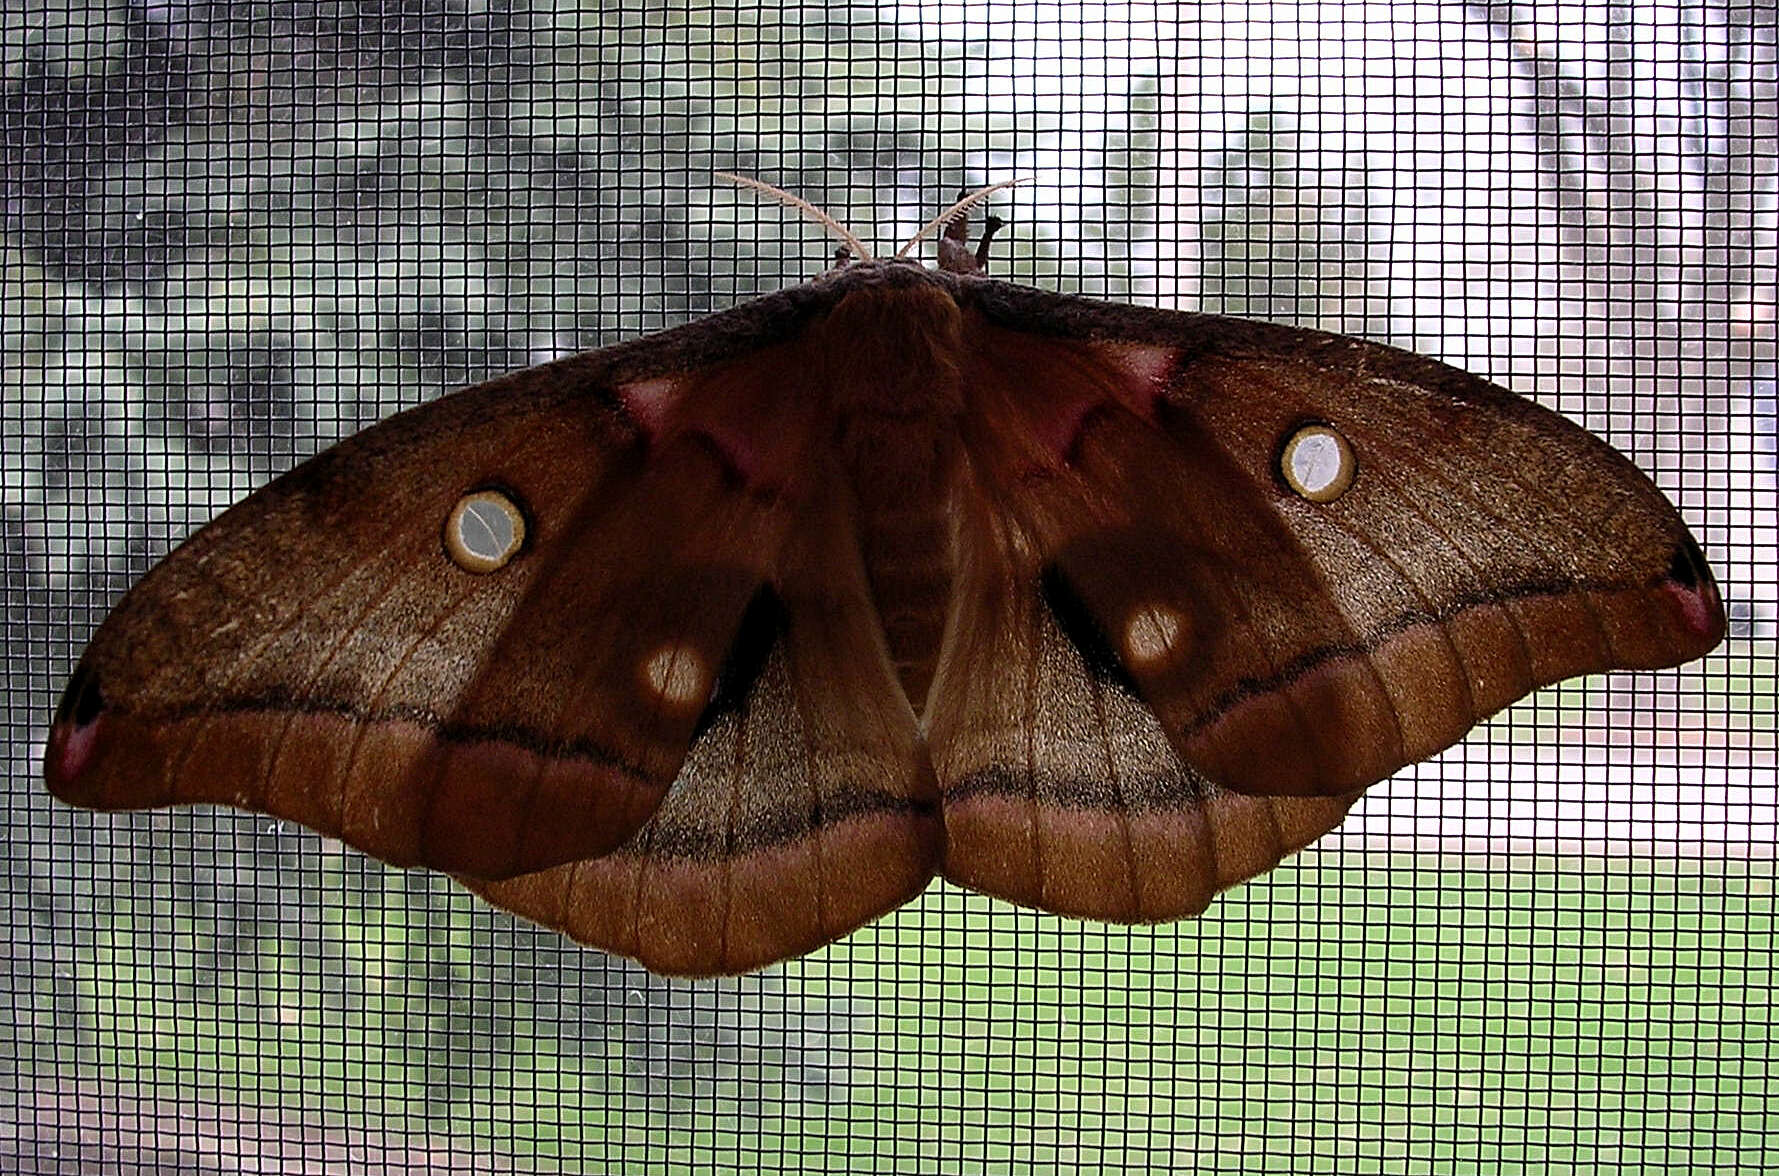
[74,735]
[1693,592]
[71,750]
[1698,607]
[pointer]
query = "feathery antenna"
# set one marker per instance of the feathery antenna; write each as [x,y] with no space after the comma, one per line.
[808,210]
[955,211]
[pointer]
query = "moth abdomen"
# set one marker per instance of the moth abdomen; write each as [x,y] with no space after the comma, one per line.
[904,531]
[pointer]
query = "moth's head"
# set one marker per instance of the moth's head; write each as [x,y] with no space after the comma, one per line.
[953,225]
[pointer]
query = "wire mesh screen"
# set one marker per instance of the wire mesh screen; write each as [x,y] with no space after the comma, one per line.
[236,233]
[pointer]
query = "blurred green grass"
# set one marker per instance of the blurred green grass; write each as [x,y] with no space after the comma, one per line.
[1355,1012]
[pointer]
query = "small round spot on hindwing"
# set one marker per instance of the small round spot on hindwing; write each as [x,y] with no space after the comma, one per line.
[484,531]
[1317,463]
[1153,635]
[678,675]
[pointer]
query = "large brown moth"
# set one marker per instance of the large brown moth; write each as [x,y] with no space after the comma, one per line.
[710,647]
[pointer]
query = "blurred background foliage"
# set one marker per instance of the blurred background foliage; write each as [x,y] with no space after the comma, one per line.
[236,232]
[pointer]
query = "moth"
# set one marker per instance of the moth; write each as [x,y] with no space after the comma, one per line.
[713,646]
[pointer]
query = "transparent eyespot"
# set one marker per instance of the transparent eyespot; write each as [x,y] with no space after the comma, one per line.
[1318,464]
[484,531]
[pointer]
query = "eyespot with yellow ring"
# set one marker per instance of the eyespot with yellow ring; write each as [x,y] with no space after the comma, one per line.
[484,531]
[1317,463]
